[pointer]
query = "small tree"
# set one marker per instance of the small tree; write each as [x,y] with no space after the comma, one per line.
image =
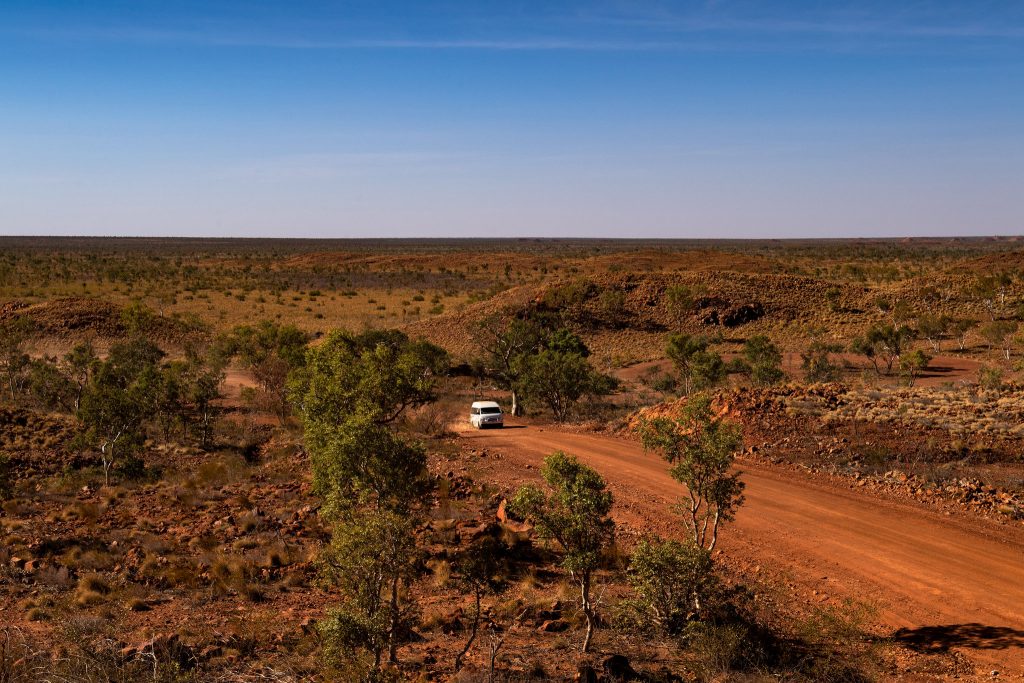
[962,327]
[271,352]
[933,328]
[361,463]
[817,362]
[14,361]
[376,374]
[764,360]
[476,567]
[897,311]
[349,392]
[913,364]
[833,296]
[612,303]
[204,377]
[119,399]
[883,344]
[508,340]
[697,367]
[680,300]
[999,335]
[372,558]
[707,370]
[51,388]
[990,377]
[574,512]
[901,313]
[558,380]
[991,290]
[137,318]
[672,581]
[80,365]
[701,449]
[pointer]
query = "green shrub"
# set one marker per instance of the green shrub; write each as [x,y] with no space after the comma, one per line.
[673,582]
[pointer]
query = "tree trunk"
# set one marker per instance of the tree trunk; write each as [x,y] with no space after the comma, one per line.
[495,647]
[588,611]
[714,533]
[393,644]
[472,634]
[516,409]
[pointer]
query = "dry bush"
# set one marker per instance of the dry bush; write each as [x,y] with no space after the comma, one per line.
[21,659]
[441,572]
[713,650]
[92,590]
[219,471]
[234,574]
[434,420]
[248,522]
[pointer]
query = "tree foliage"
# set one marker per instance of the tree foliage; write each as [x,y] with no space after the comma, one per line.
[700,449]
[574,511]
[999,335]
[698,367]
[377,375]
[933,328]
[507,341]
[476,568]
[560,378]
[763,361]
[680,299]
[672,580]
[122,395]
[372,558]
[817,363]
[271,352]
[961,327]
[349,392]
[883,344]
[913,364]
[14,360]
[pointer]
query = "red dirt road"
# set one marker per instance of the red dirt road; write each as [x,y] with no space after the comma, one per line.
[959,582]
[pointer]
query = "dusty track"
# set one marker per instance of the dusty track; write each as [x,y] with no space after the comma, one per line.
[958,584]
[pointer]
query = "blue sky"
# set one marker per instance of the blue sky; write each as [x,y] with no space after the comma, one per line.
[634,118]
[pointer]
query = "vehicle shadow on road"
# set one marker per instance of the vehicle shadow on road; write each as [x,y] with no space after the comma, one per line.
[937,639]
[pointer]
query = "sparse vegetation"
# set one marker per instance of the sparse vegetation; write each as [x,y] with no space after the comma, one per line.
[163,518]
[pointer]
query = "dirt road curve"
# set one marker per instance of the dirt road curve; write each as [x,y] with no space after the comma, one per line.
[956,583]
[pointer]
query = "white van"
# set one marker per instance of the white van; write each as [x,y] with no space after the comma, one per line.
[486,414]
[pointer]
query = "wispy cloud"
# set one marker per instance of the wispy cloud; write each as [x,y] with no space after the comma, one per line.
[138,35]
[623,28]
[716,17]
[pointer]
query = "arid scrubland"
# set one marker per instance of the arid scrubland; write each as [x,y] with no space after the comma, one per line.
[245,460]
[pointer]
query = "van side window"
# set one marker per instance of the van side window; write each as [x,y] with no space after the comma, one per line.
[476,411]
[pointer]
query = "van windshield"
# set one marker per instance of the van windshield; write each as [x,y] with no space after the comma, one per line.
[490,411]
